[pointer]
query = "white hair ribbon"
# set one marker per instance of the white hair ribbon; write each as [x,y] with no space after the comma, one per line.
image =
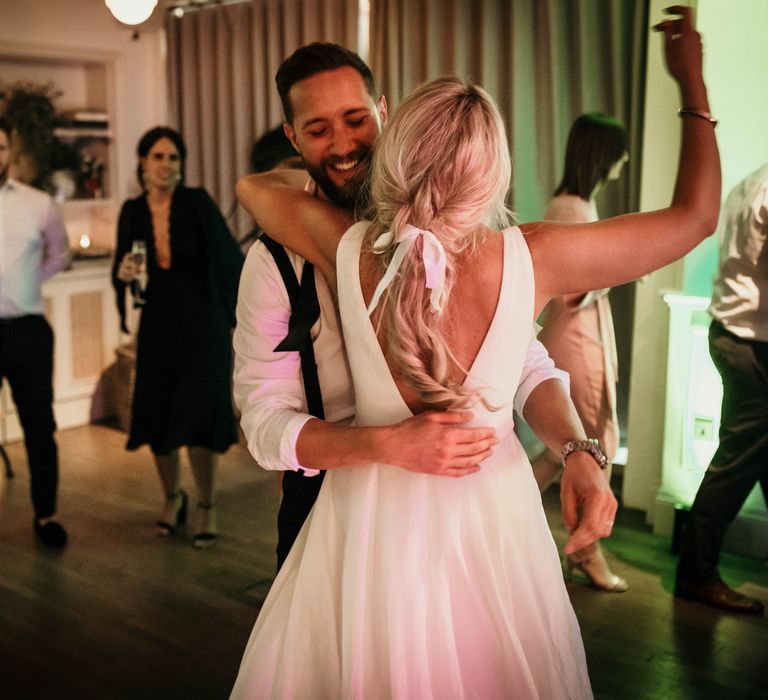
[432,254]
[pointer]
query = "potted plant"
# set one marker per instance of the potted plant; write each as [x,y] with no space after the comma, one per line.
[30,109]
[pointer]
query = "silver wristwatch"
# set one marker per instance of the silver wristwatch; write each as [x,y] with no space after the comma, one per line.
[590,445]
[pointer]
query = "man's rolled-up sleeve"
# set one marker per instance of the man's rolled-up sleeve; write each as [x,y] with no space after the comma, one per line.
[55,242]
[268,388]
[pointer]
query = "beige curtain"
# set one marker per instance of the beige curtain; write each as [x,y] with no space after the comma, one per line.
[545,62]
[222,62]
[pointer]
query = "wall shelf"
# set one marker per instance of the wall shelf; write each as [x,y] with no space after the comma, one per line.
[85,183]
[67,132]
[85,203]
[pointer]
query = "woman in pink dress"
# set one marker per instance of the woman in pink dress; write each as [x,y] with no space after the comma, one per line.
[578,328]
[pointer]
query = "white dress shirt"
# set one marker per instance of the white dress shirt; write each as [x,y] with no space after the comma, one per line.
[33,247]
[740,296]
[268,388]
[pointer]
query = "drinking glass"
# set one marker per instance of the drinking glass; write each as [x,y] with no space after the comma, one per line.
[139,253]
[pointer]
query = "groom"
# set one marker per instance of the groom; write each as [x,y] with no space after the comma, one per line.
[333,115]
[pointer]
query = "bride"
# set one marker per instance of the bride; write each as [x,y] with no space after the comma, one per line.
[406,585]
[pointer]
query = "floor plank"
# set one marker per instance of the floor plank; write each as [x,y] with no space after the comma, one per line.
[121,614]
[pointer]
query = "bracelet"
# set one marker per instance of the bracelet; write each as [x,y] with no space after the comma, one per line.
[700,113]
[590,445]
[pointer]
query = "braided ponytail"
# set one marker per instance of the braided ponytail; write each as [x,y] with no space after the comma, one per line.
[442,165]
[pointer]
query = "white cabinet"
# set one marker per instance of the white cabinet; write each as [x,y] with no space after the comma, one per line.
[691,424]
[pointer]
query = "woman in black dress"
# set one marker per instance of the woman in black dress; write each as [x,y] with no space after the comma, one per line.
[187,288]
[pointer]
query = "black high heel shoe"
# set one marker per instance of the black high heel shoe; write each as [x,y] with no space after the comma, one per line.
[206,535]
[178,515]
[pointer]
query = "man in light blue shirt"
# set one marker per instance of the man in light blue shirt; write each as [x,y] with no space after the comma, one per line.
[33,247]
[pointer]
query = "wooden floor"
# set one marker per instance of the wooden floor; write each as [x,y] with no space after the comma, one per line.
[121,614]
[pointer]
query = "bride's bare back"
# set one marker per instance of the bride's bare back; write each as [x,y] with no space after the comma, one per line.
[468,314]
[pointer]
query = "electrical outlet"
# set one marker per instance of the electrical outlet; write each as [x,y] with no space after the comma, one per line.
[703,428]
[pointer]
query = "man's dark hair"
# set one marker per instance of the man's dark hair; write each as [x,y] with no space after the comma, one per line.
[270,150]
[595,143]
[5,126]
[317,58]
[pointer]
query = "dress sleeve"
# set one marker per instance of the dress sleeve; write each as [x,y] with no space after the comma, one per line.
[225,259]
[122,246]
[538,368]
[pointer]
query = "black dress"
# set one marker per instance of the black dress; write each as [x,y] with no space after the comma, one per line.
[182,394]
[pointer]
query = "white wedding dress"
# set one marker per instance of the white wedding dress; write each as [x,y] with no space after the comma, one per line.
[416,587]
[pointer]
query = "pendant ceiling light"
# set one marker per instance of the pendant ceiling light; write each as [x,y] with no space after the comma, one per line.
[131,11]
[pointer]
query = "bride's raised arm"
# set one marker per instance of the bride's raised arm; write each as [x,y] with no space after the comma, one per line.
[617,250]
[309,226]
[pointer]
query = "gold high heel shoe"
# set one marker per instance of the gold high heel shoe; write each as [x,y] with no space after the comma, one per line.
[206,534]
[591,563]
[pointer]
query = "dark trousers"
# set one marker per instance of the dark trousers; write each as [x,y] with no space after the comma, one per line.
[26,361]
[741,459]
[299,495]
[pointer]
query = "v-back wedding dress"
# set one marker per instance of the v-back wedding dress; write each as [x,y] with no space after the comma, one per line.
[415,587]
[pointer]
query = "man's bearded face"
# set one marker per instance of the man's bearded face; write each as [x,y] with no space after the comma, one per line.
[335,124]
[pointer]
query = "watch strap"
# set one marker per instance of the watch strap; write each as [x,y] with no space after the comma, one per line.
[591,445]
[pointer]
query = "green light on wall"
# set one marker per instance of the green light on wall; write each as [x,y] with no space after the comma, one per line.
[738,96]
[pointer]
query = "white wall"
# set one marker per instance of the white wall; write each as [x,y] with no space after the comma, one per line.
[84,28]
[735,66]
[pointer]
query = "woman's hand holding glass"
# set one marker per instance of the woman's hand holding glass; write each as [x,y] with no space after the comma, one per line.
[133,270]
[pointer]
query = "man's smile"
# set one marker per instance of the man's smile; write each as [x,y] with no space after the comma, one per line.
[345,166]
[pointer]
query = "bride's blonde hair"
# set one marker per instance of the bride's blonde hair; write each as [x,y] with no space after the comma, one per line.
[441,164]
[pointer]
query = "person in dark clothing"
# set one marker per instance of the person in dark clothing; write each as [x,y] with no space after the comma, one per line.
[191,269]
